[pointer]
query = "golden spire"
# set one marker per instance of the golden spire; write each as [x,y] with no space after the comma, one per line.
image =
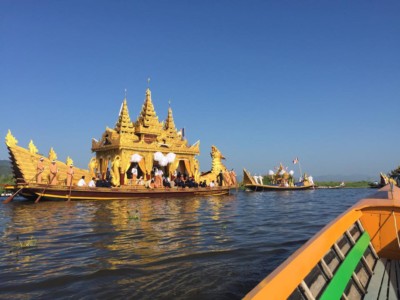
[124,124]
[52,154]
[170,124]
[147,121]
[32,148]
[10,139]
[69,161]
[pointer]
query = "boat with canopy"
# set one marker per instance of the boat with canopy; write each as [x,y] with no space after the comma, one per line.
[281,180]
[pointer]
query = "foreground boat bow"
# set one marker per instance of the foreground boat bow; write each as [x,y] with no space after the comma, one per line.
[356,256]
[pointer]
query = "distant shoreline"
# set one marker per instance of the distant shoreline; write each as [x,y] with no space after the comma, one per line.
[347,184]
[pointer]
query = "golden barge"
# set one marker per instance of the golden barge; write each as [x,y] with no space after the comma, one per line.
[145,145]
[356,256]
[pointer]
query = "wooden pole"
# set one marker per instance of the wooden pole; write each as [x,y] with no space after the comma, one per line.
[10,198]
[40,196]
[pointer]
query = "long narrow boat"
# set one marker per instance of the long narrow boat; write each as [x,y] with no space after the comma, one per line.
[33,191]
[138,152]
[250,184]
[356,256]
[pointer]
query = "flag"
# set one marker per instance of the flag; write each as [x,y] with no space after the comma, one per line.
[181,133]
[296,160]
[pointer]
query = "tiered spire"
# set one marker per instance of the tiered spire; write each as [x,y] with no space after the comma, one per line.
[147,122]
[124,124]
[170,125]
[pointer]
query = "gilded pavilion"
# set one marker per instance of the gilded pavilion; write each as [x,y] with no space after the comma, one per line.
[145,137]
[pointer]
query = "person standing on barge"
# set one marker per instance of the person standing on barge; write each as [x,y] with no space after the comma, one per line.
[220,178]
[39,170]
[70,175]
[53,173]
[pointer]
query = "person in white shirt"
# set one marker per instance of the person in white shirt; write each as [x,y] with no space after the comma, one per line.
[212,184]
[92,183]
[82,182]
[261,178]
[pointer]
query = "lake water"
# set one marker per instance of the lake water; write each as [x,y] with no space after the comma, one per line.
[192,248]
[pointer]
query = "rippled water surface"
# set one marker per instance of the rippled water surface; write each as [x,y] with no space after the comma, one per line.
[192,248]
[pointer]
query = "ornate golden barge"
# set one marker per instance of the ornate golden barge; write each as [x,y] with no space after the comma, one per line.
[145,145]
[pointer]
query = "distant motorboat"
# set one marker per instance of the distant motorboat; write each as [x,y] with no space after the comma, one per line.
[340,186]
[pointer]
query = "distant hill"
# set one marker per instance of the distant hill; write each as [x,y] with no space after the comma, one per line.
[5,167]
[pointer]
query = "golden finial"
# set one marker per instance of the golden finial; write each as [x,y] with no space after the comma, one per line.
[10,139]
[32,148]
[148,82]
[125,92]
[52,154]
[69,161]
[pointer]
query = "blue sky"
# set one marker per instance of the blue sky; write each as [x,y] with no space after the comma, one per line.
[264,81]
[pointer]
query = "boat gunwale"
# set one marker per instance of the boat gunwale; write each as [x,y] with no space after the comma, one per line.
[289,274]
[116,193]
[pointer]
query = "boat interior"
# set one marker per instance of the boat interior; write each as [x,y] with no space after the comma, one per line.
[356,256]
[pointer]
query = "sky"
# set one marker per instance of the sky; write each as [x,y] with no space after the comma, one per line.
[263,81]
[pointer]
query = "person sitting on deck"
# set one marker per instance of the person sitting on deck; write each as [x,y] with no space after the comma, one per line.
[103,183]
[82,182]
[212,184]
[166,182]
[92,183]
[99,182]
[174,175]
[140,181]
[179,182]
[151,185]
[190,182]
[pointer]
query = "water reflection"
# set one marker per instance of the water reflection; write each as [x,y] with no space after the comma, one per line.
[202,247]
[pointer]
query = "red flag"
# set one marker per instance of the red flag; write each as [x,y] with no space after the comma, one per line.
[296,160]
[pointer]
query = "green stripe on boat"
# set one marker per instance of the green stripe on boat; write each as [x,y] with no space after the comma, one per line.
[338,283]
